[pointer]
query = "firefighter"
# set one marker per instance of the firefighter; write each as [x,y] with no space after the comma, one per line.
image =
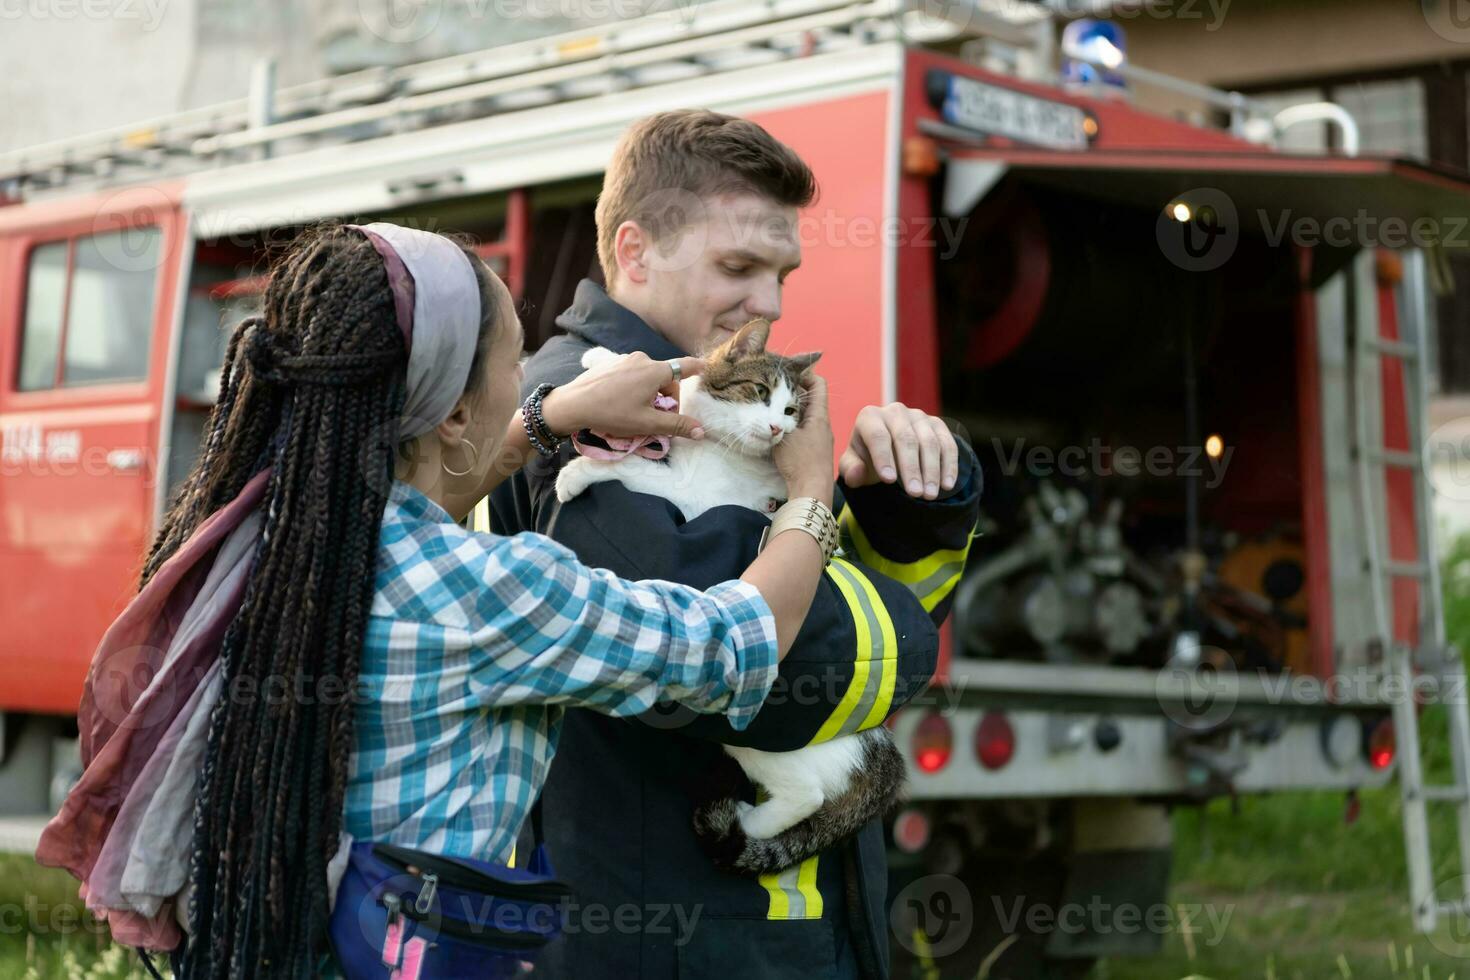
[696,233]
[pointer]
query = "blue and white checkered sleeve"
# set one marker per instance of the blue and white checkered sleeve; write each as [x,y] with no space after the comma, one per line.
[551,630]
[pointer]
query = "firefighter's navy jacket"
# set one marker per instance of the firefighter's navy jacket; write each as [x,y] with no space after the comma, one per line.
[618,799]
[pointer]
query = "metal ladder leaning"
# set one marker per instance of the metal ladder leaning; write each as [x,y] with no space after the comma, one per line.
[1430,657]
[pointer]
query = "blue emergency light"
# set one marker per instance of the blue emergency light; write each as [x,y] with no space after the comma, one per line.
[1101,43]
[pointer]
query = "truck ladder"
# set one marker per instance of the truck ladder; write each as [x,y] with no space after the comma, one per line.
[684,41]
[1429,657]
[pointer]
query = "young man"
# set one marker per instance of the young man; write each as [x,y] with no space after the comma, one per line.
[697,233]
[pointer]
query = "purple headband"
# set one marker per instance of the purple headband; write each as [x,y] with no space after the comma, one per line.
[436,298]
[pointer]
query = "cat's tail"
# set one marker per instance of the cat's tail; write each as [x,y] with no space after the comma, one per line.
[872,792]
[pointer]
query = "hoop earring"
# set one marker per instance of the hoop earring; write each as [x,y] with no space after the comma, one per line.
[474,460]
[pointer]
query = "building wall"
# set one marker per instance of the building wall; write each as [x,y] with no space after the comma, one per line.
[1248,43]
[78,66]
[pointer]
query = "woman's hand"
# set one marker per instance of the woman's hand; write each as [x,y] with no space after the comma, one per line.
[804,457]
[616,398]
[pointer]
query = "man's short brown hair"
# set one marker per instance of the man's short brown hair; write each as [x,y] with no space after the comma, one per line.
[662,160]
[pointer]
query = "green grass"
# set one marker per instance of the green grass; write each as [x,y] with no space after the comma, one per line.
[45,932]
[1310,895]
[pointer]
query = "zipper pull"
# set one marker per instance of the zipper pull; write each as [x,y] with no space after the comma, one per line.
[425,900]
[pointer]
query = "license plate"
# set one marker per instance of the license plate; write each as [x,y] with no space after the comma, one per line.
[1001,112]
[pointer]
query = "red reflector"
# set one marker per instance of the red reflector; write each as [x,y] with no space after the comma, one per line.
[911,831]
[933,742]
[995,740]
[1381,745]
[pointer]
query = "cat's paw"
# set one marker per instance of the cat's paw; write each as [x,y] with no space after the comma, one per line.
[572,480]
[763,824]
[598,355]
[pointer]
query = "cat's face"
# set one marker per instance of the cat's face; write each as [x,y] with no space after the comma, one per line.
[748,398]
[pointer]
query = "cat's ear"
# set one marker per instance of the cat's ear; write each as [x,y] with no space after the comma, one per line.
[801,362]
[750,339]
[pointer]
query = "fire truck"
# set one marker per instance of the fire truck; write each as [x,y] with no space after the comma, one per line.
[1193,366]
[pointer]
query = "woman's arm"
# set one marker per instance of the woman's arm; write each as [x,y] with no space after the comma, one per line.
[556,631]
[616,398]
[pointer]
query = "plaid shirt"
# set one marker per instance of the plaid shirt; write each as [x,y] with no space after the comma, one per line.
[475,644]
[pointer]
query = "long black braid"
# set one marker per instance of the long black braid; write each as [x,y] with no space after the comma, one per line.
[313,388]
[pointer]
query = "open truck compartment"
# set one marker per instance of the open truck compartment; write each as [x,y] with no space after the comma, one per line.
[1139,427]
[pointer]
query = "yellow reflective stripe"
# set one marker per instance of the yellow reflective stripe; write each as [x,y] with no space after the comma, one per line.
[481,515]
[931,578]
[888,659]
[806,883]
[861,665]
[793,892]
[780,906]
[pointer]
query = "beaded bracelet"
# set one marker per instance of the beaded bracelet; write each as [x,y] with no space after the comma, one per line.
[543,440]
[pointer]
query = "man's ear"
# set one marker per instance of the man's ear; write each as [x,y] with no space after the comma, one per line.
[802,362]
[750,339]
[630,248]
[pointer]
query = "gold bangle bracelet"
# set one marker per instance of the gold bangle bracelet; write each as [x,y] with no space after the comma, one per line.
[805,514]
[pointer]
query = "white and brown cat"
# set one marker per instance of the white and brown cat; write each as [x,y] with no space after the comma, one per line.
[747,400]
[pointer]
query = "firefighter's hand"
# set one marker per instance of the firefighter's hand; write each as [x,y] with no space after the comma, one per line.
[893,443]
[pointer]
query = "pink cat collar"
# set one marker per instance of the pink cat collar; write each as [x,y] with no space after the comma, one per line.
[621,447]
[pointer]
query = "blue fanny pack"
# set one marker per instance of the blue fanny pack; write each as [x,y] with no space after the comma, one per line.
[406,914]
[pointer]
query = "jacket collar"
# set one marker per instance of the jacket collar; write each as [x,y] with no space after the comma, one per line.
[603,322]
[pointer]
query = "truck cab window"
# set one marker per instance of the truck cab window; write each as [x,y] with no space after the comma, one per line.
[94,296]
[110,313]
[45,299]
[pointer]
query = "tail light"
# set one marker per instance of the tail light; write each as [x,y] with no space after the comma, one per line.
[1382,744]
[933,742]
[911,830]
[995,740]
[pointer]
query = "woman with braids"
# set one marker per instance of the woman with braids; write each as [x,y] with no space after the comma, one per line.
[319,653]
